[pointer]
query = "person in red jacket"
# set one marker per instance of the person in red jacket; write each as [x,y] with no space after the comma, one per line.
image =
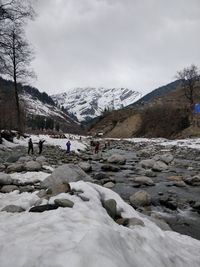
[96,150]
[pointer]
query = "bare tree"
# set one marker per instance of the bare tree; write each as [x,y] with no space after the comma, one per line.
[15,52]
[189,79]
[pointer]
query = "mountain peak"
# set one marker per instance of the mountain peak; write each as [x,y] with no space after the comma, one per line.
[89,102]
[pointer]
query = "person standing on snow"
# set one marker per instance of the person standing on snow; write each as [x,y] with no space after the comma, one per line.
[40,144]
[30,146]
[68,144]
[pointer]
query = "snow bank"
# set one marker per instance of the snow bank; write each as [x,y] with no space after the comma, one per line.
[75,142]
[86,236]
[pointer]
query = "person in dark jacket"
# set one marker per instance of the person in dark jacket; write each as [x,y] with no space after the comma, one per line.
[96,149]
[68,144]
[40,144]
[30,146]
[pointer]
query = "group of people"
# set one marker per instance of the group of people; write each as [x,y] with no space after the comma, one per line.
[40,146]
[30,146]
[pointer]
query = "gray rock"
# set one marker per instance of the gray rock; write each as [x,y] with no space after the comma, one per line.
[150,173]
[117,159]
[41,159]
[108,167]
[65,173]
[8,188]
[147,163]
[65,203]
[194,181]
[167,158]
[5,178]
[143,180]
[33,166]
[27,188]
[85,166]
[159,166]
[101,175]
[59,187]
[111,207]
[43,208]
[24,159]
[140,199]
[109,185]
[15,167]
[13,208]
[13,158]
[2,167]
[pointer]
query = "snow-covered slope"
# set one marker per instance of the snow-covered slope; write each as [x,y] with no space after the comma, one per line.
[88,103]
[35,107]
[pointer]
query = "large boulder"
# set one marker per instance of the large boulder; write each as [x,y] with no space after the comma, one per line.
[5,178]
[117,159]
[140,199]
[33,166]
[147,163]
[85,166]
[8,188]
[59,187]
[15,167]
[159,166]
[65,173]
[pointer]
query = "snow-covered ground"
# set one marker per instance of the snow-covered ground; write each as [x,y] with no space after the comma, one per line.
[85,235]
[76,144]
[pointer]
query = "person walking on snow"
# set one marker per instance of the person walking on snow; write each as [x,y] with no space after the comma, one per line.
[40,144]
[68,144]
[30,146]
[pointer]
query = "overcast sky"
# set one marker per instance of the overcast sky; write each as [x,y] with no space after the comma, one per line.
[139,44]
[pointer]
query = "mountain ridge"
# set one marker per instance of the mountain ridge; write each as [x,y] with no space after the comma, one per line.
[89,102]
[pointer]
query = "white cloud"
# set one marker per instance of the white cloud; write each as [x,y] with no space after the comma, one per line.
[132,43]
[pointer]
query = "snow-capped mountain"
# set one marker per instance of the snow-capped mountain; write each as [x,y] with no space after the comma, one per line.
[88,103]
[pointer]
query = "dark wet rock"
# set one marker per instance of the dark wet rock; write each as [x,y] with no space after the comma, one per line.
[111,207]
[13,158]
[140,198]
[108,167]
[63,202]
[27,188]
[5,179]
[43,208]
[8,188]
[194,181]
[169,202]
[101,175]
[13,209]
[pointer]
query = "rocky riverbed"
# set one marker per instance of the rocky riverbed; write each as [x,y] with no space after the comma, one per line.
[161,182]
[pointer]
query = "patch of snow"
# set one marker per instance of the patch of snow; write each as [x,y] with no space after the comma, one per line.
[85,235]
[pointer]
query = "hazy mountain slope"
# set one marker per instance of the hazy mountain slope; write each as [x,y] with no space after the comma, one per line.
[37,103]
[88,103]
